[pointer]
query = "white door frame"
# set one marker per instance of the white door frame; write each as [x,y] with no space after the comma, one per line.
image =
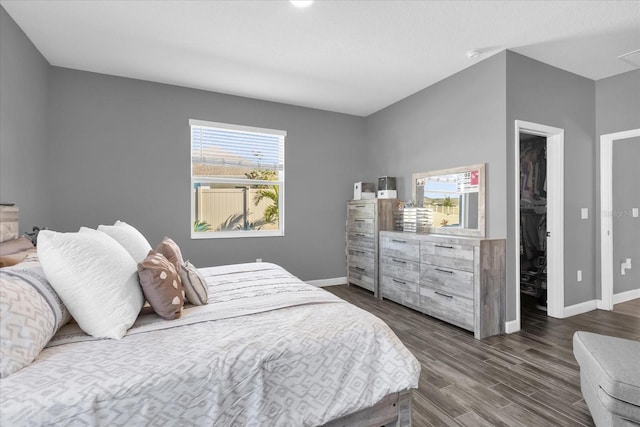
[555,215]
[606,214]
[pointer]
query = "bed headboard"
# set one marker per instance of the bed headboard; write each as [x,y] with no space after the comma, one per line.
[8,223]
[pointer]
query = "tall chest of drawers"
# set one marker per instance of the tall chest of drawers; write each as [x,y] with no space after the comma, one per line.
[365,219]
[460,280]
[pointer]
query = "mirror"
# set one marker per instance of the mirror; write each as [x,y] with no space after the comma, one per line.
[454,199]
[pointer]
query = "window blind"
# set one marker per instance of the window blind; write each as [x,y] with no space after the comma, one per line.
[225,148]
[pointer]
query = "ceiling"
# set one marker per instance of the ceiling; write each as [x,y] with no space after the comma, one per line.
[353,57]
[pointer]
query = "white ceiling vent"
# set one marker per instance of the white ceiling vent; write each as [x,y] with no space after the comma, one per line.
[632,58]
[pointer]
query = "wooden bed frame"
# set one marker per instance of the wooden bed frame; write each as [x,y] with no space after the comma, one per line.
[394,410]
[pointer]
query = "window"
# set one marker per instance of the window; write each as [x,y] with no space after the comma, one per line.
[237,181]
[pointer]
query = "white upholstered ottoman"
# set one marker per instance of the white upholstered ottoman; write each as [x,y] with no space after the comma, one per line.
[609,378]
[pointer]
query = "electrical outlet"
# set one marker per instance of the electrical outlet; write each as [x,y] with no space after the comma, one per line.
[623,270]
[627,264]
[579,275]
[634,212]
[258,259]
[584,213]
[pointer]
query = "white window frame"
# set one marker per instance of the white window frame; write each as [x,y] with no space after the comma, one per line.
[220,180]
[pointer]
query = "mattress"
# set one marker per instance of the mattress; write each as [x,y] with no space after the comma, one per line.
[267,350]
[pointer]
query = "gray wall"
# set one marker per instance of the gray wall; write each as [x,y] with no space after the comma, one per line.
[543,94]
[618,103]
[120,149]
[23,125]
[457,121]
[626,229]
[617,110]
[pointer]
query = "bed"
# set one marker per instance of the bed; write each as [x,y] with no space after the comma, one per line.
[267,349]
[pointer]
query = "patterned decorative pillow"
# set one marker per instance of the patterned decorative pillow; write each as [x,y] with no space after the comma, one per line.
[129,237]
[161,285]
[195,287]
[96,279]
[171,251]
[30,314]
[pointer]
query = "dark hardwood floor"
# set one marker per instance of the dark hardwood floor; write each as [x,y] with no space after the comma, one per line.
[528,378]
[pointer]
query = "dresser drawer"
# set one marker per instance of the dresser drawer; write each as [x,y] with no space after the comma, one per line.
[361,240]
[400,268]
[401,291]
[361,258]
[361,276]
[362,225]
[400,247]
[361,210]
[447,255]
[447,279]
[447,306]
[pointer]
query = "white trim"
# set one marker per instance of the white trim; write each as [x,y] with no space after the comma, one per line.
[512,326]
[580,308]
[626,296]
[321,283]
[240,128]
[606,214]
[555,215]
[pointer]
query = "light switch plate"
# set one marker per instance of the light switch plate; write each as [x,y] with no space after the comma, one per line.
[585,213]
[634,212]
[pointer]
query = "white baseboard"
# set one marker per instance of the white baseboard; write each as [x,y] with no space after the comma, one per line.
[626,296]
[321,283]
[583,307]
[512,326]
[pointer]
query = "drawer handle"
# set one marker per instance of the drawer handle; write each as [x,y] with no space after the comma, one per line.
[398,260]
[360,235]
[444,246]
[398,241]
[399,281]
[359,252]
[444,271]
[444,295]
[360,206]
[359,220]
[359,268]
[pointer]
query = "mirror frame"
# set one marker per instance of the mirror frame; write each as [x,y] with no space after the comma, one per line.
[480,231]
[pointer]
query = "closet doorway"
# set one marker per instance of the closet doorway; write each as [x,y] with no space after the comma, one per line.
[539,225]
[607,141]
[533,221]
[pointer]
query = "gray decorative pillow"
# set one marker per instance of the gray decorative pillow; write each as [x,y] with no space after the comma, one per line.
[161,285]
[30,314]
[195,287]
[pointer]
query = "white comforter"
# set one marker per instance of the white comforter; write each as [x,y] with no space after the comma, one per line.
[298,366]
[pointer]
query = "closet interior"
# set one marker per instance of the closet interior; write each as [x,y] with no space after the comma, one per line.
[533,220]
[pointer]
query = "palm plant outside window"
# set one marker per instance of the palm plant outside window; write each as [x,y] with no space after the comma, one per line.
[237,180]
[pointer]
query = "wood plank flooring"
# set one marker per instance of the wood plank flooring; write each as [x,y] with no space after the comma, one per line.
[529,378]
[631,308]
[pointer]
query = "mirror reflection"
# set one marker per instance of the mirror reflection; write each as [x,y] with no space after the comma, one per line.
[453,199]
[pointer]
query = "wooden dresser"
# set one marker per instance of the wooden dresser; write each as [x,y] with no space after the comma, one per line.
[460,280]
[365,219]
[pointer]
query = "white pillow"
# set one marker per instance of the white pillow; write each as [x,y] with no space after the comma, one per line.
[95,277]
[129,237]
